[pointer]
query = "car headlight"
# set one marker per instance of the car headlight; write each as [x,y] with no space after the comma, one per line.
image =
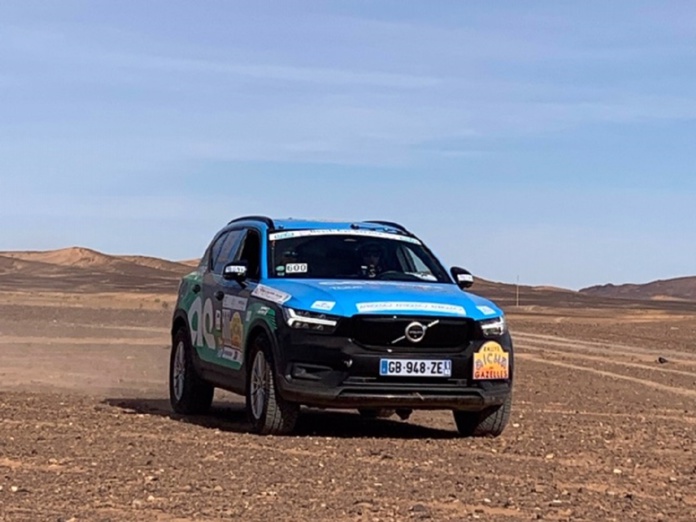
[303,320]
[494,327]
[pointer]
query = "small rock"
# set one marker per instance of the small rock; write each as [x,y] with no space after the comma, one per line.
[14,489]
[151,498]
[218,489]
[662,360]
[137,504]
[419,508]
[550,456]
[618,472]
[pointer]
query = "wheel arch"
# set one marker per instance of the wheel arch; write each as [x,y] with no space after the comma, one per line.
[260,327]
[179,321]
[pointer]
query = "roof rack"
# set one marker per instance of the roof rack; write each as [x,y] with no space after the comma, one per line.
[266,220]
[389,224]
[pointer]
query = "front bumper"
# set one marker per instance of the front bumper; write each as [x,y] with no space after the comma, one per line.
[334,372]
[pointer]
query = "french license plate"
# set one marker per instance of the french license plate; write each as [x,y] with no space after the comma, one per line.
[491,363]
[415,368]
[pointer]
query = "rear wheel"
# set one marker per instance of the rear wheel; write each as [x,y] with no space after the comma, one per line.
[188,393]
[268,412]
[487,423]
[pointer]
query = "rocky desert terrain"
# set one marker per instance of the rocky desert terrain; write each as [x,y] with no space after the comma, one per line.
[603,427]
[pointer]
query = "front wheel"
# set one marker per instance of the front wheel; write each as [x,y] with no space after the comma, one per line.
[487,423]
[188,393]
[268,412]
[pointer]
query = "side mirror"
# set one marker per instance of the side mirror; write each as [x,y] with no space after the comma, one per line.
[236,271]
[462,277]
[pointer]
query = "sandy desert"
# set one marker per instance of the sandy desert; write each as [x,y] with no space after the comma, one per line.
[603,426]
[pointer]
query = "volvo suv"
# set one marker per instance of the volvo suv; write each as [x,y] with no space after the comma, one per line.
[358,315]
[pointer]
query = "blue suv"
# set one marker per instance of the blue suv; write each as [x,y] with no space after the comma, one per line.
[337,315]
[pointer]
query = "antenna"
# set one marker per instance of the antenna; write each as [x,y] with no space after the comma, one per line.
[517,299]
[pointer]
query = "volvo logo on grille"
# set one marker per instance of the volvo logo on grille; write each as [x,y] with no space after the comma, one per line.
[415,332]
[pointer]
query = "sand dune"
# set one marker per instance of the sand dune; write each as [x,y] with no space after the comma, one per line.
[73,256]
[86,270]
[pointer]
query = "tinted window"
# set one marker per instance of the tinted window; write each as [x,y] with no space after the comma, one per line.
[224,250]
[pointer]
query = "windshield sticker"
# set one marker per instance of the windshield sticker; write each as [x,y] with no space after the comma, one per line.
[486,310]
[296,268]
[390,306]
[360,285]
[233,302]
[292,234]
[271,294]
[324,306]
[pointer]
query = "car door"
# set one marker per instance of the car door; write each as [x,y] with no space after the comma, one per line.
[210,344]
[233,299]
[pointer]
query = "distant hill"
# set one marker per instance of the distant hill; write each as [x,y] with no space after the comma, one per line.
[681,288]
[83,269]
[79,269]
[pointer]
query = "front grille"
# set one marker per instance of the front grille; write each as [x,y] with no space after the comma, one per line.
[380,331]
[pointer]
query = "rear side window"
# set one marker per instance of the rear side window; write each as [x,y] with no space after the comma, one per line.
[224,250]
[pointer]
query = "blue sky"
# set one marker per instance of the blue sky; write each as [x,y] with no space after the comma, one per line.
[547,140]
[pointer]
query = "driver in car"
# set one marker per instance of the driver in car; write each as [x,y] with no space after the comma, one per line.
[372,256]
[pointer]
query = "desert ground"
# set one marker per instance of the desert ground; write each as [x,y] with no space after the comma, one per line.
[601,430]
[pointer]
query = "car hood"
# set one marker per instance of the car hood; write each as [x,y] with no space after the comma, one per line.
[349,297]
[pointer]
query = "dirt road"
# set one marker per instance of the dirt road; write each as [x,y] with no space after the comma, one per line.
[600,431]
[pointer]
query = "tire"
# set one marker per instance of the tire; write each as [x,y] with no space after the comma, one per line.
[487,423]
[188,393]
[380,413]
[268,412]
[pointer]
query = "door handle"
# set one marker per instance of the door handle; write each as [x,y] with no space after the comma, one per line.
[219,295]
[196,288]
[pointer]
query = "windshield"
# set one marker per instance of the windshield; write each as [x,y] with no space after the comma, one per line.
[352,254]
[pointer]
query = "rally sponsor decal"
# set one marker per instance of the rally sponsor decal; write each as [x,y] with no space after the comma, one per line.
[491,362]
[402,306]
[201,318]
[273,295]
[324,306]
[234,302]
[231,338]
[218,320]
[292,234]
[486,310]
